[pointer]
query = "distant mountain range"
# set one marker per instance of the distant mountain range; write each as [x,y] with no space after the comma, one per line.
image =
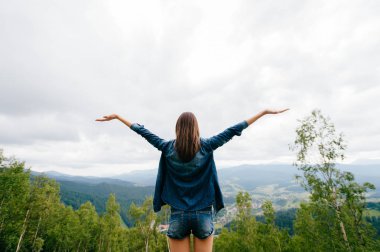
[246,176]
[84,179]
[76,190]
[259,180]
[254,175]
[263,182]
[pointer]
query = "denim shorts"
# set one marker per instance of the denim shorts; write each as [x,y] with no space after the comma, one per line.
[198,222]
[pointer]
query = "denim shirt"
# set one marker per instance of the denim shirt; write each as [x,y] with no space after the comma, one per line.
[189,185]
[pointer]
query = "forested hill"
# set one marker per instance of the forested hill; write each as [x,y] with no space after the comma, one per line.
[84,179]
[77,190]
[263,182]
[33,219]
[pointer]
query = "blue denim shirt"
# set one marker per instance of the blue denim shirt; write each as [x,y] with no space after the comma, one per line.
[189,185]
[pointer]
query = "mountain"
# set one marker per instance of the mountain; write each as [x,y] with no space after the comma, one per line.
[249,177]
[267,182]
[252,176]
[139,177]
[263,182]
[84,179]
[76,190]
[257,179]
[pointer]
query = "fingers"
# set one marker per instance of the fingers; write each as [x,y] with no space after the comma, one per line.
[105,118]
[276,111]
[280,111]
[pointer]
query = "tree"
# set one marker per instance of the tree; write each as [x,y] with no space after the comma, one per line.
[14,194]
[336,200]
[246,234]
[110,226]
[270,236]
[43,196]
[243,233]
[146,227]
[89,227]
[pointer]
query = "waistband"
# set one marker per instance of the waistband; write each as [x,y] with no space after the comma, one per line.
[209,208]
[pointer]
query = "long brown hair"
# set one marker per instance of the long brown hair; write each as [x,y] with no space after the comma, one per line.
[187,136]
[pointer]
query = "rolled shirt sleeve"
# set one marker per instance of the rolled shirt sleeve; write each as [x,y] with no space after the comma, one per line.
[225,136]
[153,139]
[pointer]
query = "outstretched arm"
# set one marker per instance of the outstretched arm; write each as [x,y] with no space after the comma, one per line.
[139,129]
[114,116]
[262,113]
[222,138]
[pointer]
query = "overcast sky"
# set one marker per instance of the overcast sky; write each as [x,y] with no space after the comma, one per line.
[65,63]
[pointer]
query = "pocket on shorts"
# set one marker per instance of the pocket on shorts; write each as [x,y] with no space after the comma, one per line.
[176,226]
[205,226]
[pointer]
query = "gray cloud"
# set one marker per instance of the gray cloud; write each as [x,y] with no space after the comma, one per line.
[66,63]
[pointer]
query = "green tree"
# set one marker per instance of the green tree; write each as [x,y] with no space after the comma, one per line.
[334,213]
[270,237]
[63,228]
[246,234]
[89,227]
[243,233]
[14,195]
[110,226]
[146,227]
[44,194]
[32,218]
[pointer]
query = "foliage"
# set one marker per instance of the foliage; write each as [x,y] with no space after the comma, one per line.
[246,234]
[332,220]
[32,218]
[76,193]
[334,215]
[283,219]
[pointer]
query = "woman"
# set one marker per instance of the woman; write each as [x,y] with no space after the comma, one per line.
[187,178]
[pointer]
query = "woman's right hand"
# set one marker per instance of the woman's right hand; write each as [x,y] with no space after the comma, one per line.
[107,118]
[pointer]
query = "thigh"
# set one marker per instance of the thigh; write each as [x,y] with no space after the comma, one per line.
[182,245]
[203,245]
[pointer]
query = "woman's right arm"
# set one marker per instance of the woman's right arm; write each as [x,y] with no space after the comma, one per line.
[262,113]
[220,139]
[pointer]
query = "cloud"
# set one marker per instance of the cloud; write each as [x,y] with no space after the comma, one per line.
[64,64]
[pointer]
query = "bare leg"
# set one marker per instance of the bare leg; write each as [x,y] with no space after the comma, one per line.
[182,245]
[203,245]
